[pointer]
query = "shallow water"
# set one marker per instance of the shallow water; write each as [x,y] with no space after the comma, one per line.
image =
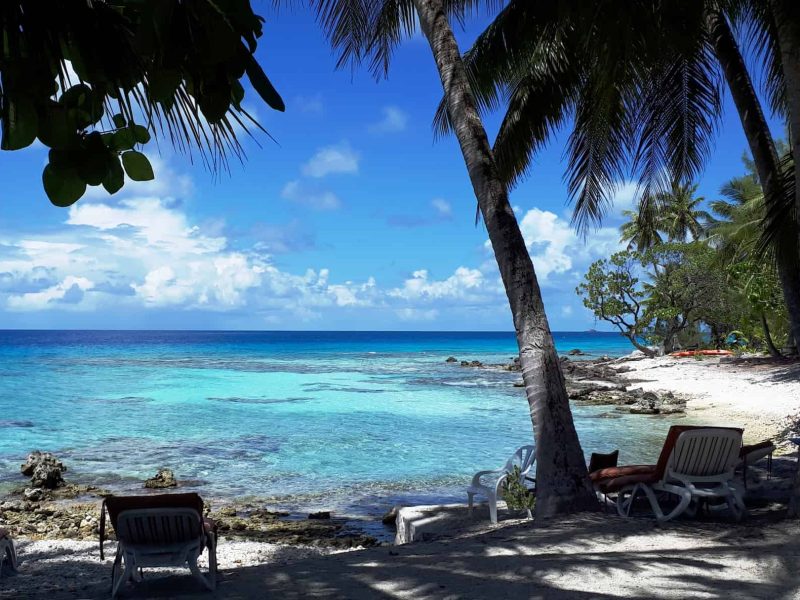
[351,421]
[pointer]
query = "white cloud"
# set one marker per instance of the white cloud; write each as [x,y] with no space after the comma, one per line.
[556,250]
[624,196]
[296,191]
[69,291]
[394,120]
[442,207]
[340,158]
[310,104]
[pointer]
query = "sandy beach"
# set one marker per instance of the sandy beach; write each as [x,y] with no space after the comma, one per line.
[759,394]
[703,558]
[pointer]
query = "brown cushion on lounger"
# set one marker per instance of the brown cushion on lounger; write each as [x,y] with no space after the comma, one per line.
[116,504]
[615,472]
[603,461]
[614,484]
[753,447]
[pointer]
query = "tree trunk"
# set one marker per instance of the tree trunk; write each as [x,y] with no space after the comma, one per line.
[561,477]
[643,349]
[773,351]
[762,148]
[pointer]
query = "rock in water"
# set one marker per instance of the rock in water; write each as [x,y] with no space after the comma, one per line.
[576,352]
[164,478]
[323,514]
[451,359]
[44,469]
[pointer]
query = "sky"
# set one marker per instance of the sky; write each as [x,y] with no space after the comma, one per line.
[353,218]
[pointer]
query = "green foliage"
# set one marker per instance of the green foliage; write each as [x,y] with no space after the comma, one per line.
[516,495]
[175,66]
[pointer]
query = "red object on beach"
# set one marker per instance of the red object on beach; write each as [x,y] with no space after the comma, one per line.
[685,353]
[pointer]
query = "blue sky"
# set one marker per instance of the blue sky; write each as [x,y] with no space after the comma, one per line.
[355,219]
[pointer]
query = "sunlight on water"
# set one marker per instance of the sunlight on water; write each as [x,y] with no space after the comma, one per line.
[352,420]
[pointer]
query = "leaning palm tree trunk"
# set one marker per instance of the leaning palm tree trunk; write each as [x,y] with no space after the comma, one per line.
[773,350]
[562,482]
[762,147]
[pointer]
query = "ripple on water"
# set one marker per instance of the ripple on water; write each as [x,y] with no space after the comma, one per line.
[240,400]
[8,423]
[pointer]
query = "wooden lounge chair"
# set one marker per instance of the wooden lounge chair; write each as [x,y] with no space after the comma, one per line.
[489,484]
[165,530]
[695,463]
[7,552]
[751,454]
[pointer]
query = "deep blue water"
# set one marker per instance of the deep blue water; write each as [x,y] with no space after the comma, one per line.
[350,420]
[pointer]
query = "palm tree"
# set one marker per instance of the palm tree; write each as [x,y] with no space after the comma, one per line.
[640,233]
[369,31]
[736,235]
[643,83]
[681,217]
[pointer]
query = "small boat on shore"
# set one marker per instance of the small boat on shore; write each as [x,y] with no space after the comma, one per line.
[685,353]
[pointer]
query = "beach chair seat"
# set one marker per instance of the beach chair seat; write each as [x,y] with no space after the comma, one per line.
[164,530]
[696,464]
[8,555]
[489,484]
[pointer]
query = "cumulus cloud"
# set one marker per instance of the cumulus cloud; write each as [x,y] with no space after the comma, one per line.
[300,193]
[393,120]
[340,158]
[309,104]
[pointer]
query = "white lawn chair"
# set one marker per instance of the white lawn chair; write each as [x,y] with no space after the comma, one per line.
[7,552]
[700,466]
[489,484]
[148,535]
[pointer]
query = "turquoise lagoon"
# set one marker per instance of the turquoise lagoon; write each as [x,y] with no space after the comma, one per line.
[346,420]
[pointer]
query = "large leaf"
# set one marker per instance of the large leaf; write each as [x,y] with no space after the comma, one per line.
[19,126]
[63,186]
[137,166]
[115,178]
[263,85]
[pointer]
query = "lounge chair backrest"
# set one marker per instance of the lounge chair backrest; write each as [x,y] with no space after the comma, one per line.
[706,453]
[672,438]
[523,458]
[117,505]
[159,526]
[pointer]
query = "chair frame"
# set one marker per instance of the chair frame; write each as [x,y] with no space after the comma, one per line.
[524,457]
[132,557]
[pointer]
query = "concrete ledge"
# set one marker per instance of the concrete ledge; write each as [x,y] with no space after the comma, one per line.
[430,522]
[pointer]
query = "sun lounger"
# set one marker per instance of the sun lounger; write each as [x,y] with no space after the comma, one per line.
[489,484]
[751,454]
[8,556]
[695,463]
[164,530]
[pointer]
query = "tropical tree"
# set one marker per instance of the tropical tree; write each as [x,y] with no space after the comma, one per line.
[674,213]
[95,80]
[642,83]
[364,31]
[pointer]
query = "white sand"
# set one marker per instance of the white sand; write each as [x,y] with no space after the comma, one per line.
[760,395]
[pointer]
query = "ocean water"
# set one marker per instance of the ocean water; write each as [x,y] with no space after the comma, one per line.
[346,420]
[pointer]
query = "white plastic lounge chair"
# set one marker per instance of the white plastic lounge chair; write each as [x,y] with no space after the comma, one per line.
[166,530]
[490,483]
[7,552]
[700,465]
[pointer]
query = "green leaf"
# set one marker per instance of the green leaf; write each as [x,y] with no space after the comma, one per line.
[263,85]
[124,139]
[119,121]
[141,134]
[63,186]
[54,127]
[115,178]
[137,166]
[19,126]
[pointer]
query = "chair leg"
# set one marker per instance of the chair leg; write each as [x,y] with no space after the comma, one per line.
[493,509]
[192,562]
[128,569]
[686,499]
[212,559]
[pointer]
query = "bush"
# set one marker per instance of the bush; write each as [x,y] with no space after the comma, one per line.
[516,495]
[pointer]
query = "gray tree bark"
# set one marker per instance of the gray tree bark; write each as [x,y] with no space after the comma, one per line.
[561,477]
[762,147]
